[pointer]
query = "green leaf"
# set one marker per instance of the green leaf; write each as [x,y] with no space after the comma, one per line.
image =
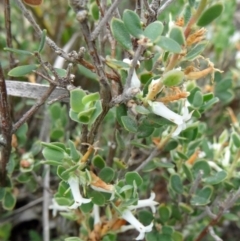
[164,213]
[167,229]
[86,207]
[49,162]
[2,193]
[209,104]
[73,239]
[171,145]
[97,111]
[129,124]
[144,131]
[216,179]
[141,110]
[56,134]
[18,51]
[116,64]
[169,44]
[119,140]
[210,14]
[63,201]
[98,162]
[107,174]
[87,73]
[90,98]
[42,41]
[130,177]
[97,198]
[60,171]
[196,51]
[172,78]
[23,177]
[9,201]
[203,166]
[110,237]
[22,70]
[176,183]
[187,172]
[73,151]
[176,33]
[119,164]
[163,164]
[236,139]
[132,23]
[76,97]
[186,208]
[198,99]
[145,217]
[94,11]
[121,111]
[177,236]
[153,31]
[61,72]
[202,197]
[53,154]
[121,34]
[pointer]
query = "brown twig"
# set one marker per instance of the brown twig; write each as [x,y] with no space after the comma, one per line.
[7,17]
[104,20]
[225,206]
[6,126]
[33,109]
[105,91]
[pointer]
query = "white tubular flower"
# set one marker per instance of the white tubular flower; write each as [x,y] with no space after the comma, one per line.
[78,199]
[56,207]
[146,203]
[129,217]
[160,109]
[227,157]
[135,82]
[96,214]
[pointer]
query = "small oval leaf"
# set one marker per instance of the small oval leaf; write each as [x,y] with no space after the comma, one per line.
[169,44]
[210,14]
[216,179]
[121,34]
[153,31]
[176,183]
[130,177]
[22,70]
[173,78]
[176,34]
[129,124]
[18,51]
[42,41]
[132,23]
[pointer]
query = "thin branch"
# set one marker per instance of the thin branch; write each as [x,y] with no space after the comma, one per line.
[105,91]
[139,8]
[6,126]
[46,180]
[38,30]
[147,6]
[214,236]
[7,17]
[196,183]
[104,20]
[33,109]
[134,62]
[164,6]
[154,153]
[15,212]
[226,205]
